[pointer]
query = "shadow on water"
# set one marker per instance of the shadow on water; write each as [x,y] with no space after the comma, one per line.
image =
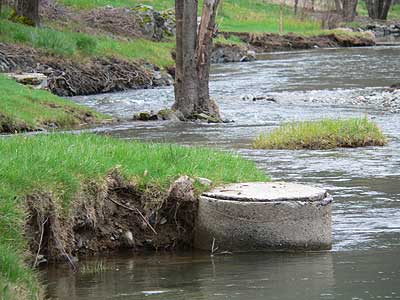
[365,183]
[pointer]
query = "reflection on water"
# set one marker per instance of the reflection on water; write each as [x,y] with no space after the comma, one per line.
[364,263]
[326,275]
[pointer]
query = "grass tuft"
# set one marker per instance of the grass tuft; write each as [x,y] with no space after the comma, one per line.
[323,134]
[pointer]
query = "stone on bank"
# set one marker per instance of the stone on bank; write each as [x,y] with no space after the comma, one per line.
[262,216]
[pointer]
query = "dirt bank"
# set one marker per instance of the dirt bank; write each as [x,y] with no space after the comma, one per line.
[267,42]
[70,77]
[110,216]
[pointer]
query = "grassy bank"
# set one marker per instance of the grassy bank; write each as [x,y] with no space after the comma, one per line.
[80,45]
[62,163]
[23,108]
[323,134]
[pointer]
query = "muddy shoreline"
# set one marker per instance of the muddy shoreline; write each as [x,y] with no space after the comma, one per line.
[269,42]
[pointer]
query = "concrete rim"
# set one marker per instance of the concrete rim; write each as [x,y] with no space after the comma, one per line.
[267,192]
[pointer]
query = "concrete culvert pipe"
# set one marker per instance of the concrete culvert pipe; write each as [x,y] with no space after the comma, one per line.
[264,216]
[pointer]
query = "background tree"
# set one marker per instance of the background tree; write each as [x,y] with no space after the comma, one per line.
[378,9]
[349,9]
[193,53]
[27,11]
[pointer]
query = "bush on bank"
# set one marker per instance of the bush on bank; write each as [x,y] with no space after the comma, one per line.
[323,134]
[62,163]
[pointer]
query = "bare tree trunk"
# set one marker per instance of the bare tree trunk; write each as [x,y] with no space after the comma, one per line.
[28,10]
[385,9]
[178,87]
[1,2]
[349,10]
[378,9]
[281,19]
[296,5]
[338,6]
[204,49]
[193,51]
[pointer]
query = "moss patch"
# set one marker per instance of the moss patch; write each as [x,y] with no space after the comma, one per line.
[323,134]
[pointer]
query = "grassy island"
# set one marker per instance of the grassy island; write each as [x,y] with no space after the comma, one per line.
[25,109]
[323,134]
[49,175]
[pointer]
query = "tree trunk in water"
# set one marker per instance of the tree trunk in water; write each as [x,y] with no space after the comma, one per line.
[193,58]
[204,49]
[349,10]
[178,86]
[378,9]
[28,10]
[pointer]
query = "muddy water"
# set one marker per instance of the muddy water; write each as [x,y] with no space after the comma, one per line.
[365,260]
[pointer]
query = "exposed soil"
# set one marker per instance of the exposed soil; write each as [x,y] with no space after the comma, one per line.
[109,216]
[274,42]
[8,125]
[67,77]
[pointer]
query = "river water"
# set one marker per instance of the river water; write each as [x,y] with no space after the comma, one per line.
[365,260]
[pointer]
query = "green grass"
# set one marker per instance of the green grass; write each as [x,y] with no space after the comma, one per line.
[24,108]
[323,134]
[62,163]
[76,44]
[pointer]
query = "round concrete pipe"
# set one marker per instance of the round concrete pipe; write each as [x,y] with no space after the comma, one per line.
[264,216]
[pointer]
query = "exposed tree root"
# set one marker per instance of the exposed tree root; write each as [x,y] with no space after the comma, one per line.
[67,77]
[272,42]
[98,221]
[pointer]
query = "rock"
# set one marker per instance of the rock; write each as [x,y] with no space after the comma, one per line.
[182,189]
[145,116]
[161,78]
[258,98]
[162,115]
[128,239]
[167,114]
[153,116]
[204,181]
[224,53]
[38,80]
[142,116]
[207,118]
[156,25]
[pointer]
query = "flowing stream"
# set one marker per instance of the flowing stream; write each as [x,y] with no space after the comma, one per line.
[365,183]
